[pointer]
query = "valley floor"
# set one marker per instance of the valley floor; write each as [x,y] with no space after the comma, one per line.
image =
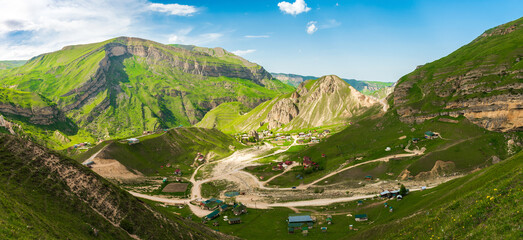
[260,196]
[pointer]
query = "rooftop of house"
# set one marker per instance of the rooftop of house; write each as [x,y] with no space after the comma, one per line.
[303,218]
[361,215]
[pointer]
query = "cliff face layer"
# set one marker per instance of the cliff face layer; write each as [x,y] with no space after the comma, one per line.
[482,81]
[124,86]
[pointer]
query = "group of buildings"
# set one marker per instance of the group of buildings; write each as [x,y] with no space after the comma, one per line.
[219,207]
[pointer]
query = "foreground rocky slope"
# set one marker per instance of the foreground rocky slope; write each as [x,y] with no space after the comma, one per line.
[44,195]
[326,101]
[124,86]
[482,81]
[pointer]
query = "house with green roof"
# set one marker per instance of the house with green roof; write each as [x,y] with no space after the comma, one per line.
[213,215]
[361,217]
[239,209]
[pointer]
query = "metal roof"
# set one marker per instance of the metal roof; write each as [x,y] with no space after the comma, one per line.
[304,218]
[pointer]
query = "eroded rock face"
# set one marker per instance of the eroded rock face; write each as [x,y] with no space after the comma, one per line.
[282,113]
[36,115]
[487,90]
[330,100]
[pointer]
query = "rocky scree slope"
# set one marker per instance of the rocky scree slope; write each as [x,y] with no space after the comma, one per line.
[482,81]
[83,200]
[126,85]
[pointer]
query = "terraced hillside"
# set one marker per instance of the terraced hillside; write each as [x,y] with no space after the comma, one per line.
[482,81]
[326,101]
[47,196]
[124,86]
[178,147]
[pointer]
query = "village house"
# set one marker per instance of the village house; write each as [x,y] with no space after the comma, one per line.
[361,217]
[178,172]
[430,135]
[224,207]
[239,209]
[297,222]
[211,204]
[212,215]
[132,141]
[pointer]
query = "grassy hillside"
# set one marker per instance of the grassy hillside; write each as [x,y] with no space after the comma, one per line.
[482,205]
[11,64]
[178,147]
[463,143]
[23,99]
[123,86]
[484,75]
[46,196]
[222,115]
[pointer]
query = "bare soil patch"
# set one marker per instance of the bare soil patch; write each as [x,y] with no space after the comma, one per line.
[175,187]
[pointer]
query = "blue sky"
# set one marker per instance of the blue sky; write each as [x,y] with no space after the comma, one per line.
[369,40]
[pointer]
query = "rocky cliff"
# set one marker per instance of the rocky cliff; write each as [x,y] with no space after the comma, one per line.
[481,81]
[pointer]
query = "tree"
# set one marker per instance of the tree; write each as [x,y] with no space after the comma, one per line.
[403,190]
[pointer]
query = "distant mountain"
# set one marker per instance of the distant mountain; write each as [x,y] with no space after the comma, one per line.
[47,196]
[325,101]
[365,87]
[11,64]
[123,86]
[482,81]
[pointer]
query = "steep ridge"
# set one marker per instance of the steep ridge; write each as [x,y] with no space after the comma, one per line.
[481,81]
[44,195]
[124,86]
[326,101]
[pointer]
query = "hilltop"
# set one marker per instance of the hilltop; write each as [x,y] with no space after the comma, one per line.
[125,86]
[325,101]
[365,87]
[46,195]
[481,81]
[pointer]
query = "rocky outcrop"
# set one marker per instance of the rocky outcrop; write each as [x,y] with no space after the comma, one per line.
[329,100]
[439,169]
[37,115]
[482,85]
[282,113]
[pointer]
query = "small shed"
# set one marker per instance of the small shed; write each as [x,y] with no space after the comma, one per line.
[360,202]
[430,135]
[361,217]
[329,220]
[324,229]
[234,221]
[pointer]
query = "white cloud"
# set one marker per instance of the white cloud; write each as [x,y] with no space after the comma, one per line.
[173,9]
[183,37]
[299,6]
[257,36]
[332,23]
[311,27]
[243,52]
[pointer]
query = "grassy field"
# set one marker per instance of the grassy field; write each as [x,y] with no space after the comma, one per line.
[178,147]
[222,115]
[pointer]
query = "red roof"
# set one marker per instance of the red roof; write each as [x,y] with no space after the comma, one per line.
[177,170]
[307,162]
[288,162]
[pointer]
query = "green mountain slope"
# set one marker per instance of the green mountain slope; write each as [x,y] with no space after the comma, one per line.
[11,64]
[222,115]
[178,147]
[124,86]
[326,101]
[482,80]
[482,205]
[46,196]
